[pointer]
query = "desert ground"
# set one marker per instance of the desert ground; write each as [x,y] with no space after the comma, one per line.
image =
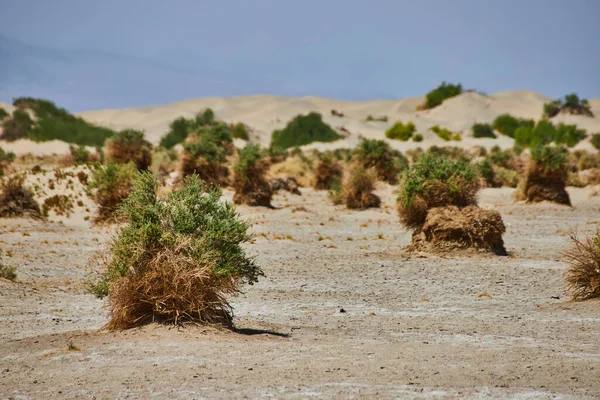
[343,312]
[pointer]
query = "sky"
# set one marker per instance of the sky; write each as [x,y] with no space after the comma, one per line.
[349,49]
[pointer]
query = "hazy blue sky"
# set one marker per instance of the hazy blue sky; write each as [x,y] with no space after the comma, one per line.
[338,48]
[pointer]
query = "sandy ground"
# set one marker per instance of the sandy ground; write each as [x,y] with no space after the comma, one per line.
[263,114]
[411,326]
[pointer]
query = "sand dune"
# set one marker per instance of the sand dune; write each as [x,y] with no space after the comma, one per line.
[265,113]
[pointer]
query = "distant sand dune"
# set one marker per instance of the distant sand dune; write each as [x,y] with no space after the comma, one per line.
[265,113]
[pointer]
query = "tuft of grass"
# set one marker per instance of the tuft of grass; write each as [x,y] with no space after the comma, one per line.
[583,275]
[401,131]
[7,271]
[358,189]
[129,145]
[304,129]
[72,347]
[417,137]
[435,181]
[176,260]
[546,176]
[6,158]
[16,200]
[327,171]
[442,133]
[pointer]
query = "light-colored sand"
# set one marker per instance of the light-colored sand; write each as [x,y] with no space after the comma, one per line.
[266,113]
[413,327]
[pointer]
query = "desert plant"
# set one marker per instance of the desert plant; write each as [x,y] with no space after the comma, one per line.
[435,181]
[61,204]
[587,160]
[443,92]
[417,137]
[506,177]
[483,131]
[18,126]
[112,184]
[78,155]
[304,129]
[570,104]
[442,133]
[583,275]
[595,140]
[204,156]
[401,131]
[176,260]
[546,175]
[327,172]
[129,145]
[7,271]
[249,182]
[3,114]
[371,118]
[358,189]
[377,154]
[54,123]
[506,124]
[6,158]
[181,127]
[16,200]
[239,131]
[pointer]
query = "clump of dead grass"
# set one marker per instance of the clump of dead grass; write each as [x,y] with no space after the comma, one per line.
[327,171]
[249,182]
[17,200]
[583,275]
[112,183]
[546,176]
[129,145]
[357,191]
[178,259]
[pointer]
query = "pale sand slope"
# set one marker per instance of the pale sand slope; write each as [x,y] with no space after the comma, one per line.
[265,113]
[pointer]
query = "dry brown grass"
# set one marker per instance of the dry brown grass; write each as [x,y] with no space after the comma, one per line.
[542,184]
[174,289]
[214,174]
[451,227]
[130,146]
[16,200]
[358,188]
[583,275]
[251,186]
[327,171]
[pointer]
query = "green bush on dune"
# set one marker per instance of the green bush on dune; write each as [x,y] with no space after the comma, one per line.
[437,96]
[570,104]
[50,122]
[483,131]
[3,114]
[544,132]
[401,131]
[506,124]
[304,129]
[180,128]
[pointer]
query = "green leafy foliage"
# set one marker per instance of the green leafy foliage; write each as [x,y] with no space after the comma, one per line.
[130,145]
[51,123]
[3,114]
[483,131]
[371,118]
[377,154]
[180,128]
[304,129]
[239,131]
[443,133]
[401,131]
[506,124]
[443,92]
[112,184]
[417,137]
[595,140]
[550,157]
[570,104]
[544,132]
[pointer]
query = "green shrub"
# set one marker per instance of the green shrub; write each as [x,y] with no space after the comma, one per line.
[176,260]
[595,140]
[180,128]
[506,124]
[506,177]
[544,132]
[550,157]
[17,200]
[53,123]
[450,151]
[130,145]
[570,104]
[371,118]
[417,137]
[358,189]
[112,184]
[435,181]
[483,131]
[19,126]
[239,131]
[7,271]
[443,92]
[377,154]
[401,131]
[304,129]
[79,154]
[442,133]
[3,114]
